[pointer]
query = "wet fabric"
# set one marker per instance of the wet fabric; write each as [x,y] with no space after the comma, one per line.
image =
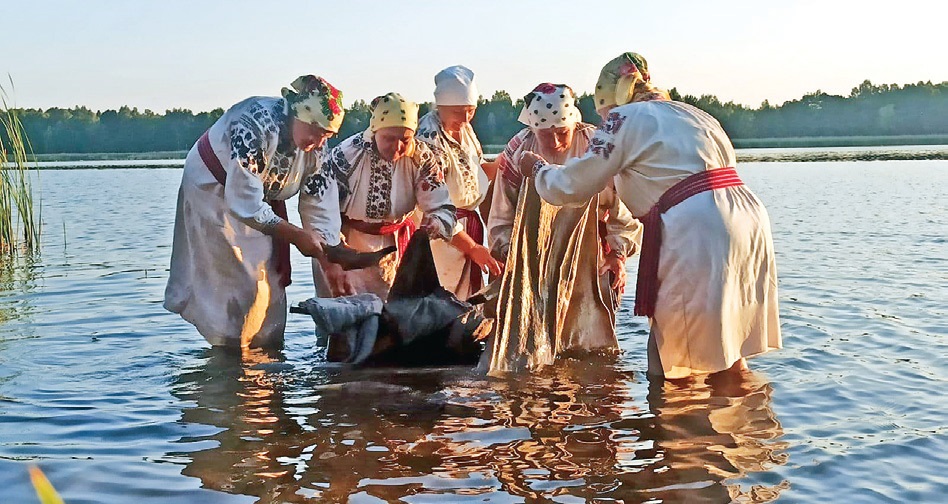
[421,324]
[552,300]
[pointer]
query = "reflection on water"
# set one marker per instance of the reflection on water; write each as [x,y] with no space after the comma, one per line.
[815,154]
[17,286]
[116,400]
[580,432]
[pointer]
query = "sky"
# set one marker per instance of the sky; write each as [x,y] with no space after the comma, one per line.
[204,54]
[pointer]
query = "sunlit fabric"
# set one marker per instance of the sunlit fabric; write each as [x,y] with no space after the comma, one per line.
[393,110]
[223,276]
[550,106]
[624,80]
[622,231]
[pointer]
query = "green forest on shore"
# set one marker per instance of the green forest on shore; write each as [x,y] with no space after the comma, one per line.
[886,114]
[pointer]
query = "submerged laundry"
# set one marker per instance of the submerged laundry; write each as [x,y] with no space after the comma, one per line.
[421,324]
[551,298]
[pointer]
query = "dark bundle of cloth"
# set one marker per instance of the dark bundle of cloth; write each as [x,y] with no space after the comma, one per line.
[421,323]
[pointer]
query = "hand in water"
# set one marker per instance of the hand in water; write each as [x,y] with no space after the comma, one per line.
[616,265]
[482,258]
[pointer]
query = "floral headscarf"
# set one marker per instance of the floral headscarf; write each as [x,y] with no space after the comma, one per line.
[315,101]
[393,110]
[625,80]
[550,106]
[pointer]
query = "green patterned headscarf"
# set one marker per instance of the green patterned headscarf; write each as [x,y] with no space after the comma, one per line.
[625,79]
[315,101]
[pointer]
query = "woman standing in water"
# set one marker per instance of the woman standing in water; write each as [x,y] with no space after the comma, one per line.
[368,189]
[230,260]
[707,275]
[447,130]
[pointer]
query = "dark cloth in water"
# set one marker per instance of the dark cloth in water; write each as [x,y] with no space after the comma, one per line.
[421,324]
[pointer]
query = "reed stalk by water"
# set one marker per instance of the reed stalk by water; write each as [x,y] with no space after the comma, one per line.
[20,218]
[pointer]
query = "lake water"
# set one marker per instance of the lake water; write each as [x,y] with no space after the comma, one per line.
[118,401]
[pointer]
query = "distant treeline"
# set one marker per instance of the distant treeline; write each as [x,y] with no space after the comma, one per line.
[869,110]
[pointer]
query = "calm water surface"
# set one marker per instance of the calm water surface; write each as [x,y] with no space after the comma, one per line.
[120,401]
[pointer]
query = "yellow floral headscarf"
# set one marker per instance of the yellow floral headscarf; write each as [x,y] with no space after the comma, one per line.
[392,110]
[315,101]
[625,80]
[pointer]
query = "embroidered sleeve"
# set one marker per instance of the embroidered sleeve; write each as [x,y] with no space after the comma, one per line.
[507,158]
[319,203]
[431,173]
[253,138]
[334,165]
[503,208]
[581,178]
[432,195]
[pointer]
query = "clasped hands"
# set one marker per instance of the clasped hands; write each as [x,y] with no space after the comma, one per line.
[528,159]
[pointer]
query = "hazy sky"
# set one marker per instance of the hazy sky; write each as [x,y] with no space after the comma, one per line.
[205,54]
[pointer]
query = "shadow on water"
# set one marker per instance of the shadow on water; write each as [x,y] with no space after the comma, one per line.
[585,430]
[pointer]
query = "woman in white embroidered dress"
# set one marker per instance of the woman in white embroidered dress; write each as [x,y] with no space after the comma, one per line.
[368,188]
[447,129]
[707,275]
[230,261]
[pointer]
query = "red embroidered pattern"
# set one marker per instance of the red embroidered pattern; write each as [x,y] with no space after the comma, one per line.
[601,147]
[612,123]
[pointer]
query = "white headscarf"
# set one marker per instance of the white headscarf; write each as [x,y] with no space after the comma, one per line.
[455,86]
[550,106]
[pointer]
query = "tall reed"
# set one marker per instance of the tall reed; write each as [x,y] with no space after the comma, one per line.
[20,219]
